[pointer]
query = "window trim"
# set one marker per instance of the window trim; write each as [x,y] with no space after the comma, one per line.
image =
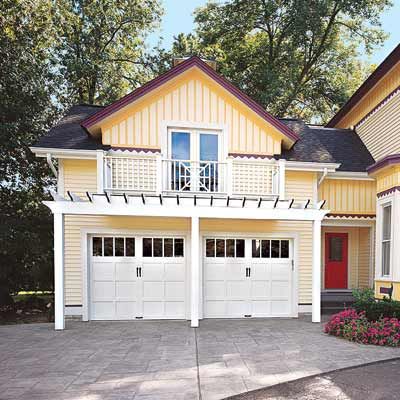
[383,205]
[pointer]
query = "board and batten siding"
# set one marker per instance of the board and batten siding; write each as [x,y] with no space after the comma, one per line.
[80,176]
[381,130]
[191,98]
[387,178]
[379,92]
[345,196]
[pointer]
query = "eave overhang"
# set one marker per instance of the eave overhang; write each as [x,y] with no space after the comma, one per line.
[385,162]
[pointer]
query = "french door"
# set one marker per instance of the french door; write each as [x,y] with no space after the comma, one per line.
[194,160]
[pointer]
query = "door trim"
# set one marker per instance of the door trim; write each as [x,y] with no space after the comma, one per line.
[325,259]
[294,239]
[86,245]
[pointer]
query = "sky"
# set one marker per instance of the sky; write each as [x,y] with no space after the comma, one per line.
[178,18]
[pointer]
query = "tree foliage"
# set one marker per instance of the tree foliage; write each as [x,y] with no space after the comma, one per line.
[295,57]
[26,87]
[101,46]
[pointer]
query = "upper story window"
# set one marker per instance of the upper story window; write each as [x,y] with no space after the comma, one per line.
[386,238]
[195,160]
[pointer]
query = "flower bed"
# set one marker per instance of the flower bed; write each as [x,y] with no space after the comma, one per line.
[355,327]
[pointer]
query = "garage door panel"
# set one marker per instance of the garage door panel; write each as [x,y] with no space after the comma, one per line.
[260,289]
[260,271]
[125,271]
[235,271]
[174,272]
[280,289]
[103,271]
[153,290]
[103,310]
[237,309]
[260,308]
[175,291]
[174,309]
[103,291]
[214,309]
[153,271]
[126,291]
[237,290]
[280,307]
[215,271]
[280,272]
[153,309]
[215,290]
[125,309]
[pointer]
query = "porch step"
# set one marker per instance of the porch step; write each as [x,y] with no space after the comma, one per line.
[333,302]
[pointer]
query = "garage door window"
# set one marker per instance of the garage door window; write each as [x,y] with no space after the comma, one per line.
[163,247]
[113,246]
[233,248]
[270,248]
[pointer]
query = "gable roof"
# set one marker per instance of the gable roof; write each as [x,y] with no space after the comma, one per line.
[380,71]
[68,132]
[319,144]
[177,70]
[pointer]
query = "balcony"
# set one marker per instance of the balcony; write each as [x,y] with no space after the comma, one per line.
[153,174]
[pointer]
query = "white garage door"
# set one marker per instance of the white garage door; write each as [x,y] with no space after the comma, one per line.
[247,277]
[137,277]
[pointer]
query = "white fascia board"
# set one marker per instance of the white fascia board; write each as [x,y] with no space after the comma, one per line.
[88,208]
[311,166]
[361,176]
[64,153]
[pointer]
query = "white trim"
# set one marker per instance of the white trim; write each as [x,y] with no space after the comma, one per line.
[282,177]
[344,175]
[316,272]
[73,310]
[195,272]
[305,308]
[64,153]
[371,255]
[351,222]
[59,298]
[185,211]
[51,165]
[100,171]
[311,166]
[323,176]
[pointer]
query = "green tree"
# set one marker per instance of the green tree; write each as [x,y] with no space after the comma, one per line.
[295,57]
[26,110]
[101,46]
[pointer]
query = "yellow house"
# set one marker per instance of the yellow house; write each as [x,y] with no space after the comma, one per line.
[185,199]
[373,112]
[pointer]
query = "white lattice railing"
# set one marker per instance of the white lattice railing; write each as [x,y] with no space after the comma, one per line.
[130,173]
[255,178]
[151,174]
[194,176]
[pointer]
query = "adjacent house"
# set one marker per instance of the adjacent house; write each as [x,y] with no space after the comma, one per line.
[185,199]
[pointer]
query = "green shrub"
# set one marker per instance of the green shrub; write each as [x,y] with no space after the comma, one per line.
[373,308]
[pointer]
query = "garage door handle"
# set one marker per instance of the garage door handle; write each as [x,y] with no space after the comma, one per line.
[249,272]
[138,272]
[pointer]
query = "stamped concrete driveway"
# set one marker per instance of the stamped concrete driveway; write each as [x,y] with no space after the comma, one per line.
[162,360]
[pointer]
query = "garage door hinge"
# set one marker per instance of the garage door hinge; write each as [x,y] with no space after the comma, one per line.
[292,265]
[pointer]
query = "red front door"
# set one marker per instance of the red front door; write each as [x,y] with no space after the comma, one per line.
[336,260]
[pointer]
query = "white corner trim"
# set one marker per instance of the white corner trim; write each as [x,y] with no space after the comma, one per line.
[305,308]
[64,153]
[73,310]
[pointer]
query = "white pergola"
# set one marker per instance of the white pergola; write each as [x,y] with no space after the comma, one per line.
[189,206]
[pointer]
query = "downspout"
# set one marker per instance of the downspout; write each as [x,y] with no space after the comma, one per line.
[51,165]
[323,176]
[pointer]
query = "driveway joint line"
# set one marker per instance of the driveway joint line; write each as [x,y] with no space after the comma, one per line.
[197,364]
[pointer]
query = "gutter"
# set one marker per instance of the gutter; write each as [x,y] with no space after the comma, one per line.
[51,165]
[322,178]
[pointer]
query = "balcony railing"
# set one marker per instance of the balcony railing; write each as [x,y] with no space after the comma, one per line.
[155,175]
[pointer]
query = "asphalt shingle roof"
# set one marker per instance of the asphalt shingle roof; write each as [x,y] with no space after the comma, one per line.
[316,144]
[69,134]
[319,144]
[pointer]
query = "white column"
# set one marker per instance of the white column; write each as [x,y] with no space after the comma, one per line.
[195,273]
[282,173]
[59,271]
[100,171]
[316,272]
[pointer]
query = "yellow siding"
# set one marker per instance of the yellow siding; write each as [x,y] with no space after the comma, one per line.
[358,255]
[300,185]
[192,98]
[73,256]
[80,176]
[303,229]
[382,89]
[396,289]
[380,132]
[345,196]
[388,178]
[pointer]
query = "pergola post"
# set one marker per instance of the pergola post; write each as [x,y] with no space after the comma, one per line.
[195,272]
[316,272]
[59,319]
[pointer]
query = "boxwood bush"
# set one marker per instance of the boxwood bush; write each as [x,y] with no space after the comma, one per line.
[374,308]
